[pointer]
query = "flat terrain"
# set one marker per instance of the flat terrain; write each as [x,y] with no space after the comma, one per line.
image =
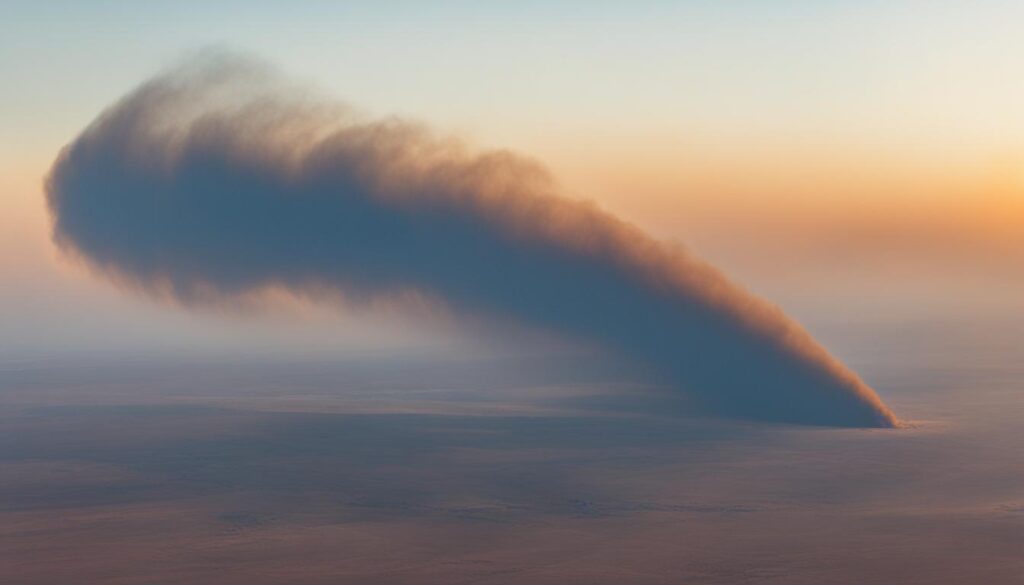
[418,471]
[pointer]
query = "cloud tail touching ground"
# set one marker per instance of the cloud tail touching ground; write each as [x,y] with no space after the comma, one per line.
[210,180]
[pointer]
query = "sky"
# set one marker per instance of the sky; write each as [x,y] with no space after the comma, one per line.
[848,160]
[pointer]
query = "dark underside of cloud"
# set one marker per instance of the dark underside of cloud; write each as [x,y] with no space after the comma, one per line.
[210,181]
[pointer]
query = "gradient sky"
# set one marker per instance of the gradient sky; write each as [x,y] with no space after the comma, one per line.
[873,150]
